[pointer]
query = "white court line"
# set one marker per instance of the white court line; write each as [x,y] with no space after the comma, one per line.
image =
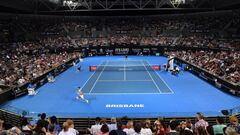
[121,65]
[124,80]
[162,80]
[121,59]
[89,78]
[157,93]
[97,78]
[151,77]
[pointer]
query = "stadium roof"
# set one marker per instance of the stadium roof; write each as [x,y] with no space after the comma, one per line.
[76,6]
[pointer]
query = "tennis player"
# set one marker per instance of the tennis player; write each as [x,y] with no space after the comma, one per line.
[79,68]
[126,56]
[80,95]
[170,63]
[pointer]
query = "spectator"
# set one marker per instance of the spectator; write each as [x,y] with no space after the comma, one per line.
[51,130]
[173,128]
[43,121]
[137,128]
[234,124]
[71,127]
[113,132]
[113,124]
[231,131]
[201,130]
[148,124]
[103,121]
[119,130]
[39,128]
[186,128]
[130,128]
[200,121]
[104,130]
[11,131]
[210,130]
[146,128]
[26,126]
[159,128]
[95,128]
[2,131]
[53,123]
[218,128]
[65,130]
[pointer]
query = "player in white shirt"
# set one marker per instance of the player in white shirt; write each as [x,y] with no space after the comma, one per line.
[171,62]
[81,95]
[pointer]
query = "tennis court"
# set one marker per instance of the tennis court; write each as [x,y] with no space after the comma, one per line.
[126,77]
[118,82]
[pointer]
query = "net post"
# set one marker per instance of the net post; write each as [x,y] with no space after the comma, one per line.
[90,68]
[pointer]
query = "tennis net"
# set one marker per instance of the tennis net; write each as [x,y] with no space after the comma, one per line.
[125,68]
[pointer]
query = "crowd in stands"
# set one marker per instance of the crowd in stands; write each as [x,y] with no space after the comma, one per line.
[20,56]
[189,41]
[223,64]
[19,68]
[50,126]
[193,30]
[56,42]
[42,126]
[157,41]
[159,127]
[207,41]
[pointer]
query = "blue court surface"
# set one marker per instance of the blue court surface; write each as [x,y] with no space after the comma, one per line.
[125,88]
[126,77]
